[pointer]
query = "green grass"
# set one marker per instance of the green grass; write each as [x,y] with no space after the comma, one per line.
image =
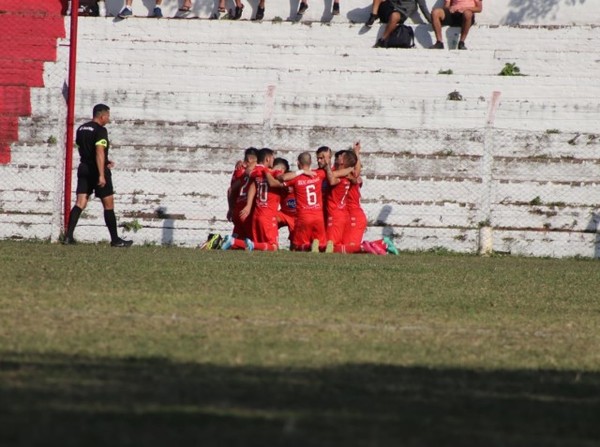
[166,346]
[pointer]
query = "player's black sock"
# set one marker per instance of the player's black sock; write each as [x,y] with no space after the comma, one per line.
[73,219]
[111,223]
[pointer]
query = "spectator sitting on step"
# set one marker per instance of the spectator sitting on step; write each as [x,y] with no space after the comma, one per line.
[454,13]
[303,6]
[185,9]
[235,15]
[127,11]
[260,10]
[394,13]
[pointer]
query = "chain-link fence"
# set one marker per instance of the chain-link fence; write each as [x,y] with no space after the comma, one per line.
[427,189]
[32,118]
[427,186]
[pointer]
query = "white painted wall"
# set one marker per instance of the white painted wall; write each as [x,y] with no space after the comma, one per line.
[187,97]
[495,12]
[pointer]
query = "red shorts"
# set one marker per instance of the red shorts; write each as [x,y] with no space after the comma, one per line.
[286,220]
[308,228]
[241,230]
[336,226]
[265,228]
[355,227]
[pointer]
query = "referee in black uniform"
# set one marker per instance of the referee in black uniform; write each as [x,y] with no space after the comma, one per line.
[93,175]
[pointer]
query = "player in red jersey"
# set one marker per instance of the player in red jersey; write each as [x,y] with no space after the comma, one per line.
[352,242]
[309,232]
[357,220]
[286,216]
[324,160]
[263,197]
[237,195]
[267,197]
[339,185]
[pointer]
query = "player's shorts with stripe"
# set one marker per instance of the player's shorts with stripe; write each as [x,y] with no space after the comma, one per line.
[309,228]
[336,226]
[241,230]
[265,228]
[355,227]
[286,220]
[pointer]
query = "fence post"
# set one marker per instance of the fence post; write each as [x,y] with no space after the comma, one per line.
[268,115]
[70,110]
[486,237]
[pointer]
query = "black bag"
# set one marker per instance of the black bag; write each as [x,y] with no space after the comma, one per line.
[402,37]
[88,8]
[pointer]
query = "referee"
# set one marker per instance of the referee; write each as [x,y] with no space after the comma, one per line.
[93,175]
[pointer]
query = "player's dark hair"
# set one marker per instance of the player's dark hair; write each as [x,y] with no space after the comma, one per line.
[264,153]
[323,149]
[350,159]
[282,161]
[338,153]
[251,151]
[100,109]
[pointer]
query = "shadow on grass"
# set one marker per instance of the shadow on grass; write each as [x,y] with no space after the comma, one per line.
[79,401]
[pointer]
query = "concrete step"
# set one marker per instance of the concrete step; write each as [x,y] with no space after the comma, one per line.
[481,37]
[14,100]
[180,138]
[342,57]
[348,110]
[22,73]
[211,75]
[507,12]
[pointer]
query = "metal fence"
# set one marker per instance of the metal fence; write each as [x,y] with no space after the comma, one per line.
[425,188]
[32,119]
[467,190]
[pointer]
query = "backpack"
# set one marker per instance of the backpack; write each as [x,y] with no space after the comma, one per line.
[402,37]
[88,8]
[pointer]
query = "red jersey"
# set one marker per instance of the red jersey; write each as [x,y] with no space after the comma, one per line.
[238,174]
[242,197]
[337,198]
[288,201]
[353,198]
[308,193]
[266,198]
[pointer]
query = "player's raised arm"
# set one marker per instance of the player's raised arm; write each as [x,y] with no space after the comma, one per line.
[357,148]
[272,181]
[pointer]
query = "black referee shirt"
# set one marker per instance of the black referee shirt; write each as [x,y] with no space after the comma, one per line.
[90,135]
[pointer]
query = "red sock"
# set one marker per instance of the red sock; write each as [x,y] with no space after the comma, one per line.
[238,244]
[264,246]
[346,248]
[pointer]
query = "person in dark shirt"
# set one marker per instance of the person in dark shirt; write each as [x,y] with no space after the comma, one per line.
[93,174]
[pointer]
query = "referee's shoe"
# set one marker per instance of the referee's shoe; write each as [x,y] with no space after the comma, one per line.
[121,243]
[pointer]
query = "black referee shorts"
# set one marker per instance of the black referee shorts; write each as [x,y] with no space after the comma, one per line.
[87,181]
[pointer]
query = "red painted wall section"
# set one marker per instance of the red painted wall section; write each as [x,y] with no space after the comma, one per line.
[31,29]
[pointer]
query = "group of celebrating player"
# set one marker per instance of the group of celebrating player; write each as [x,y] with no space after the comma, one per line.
[320,207]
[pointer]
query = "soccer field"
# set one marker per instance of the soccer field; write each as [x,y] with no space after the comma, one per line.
[169,346]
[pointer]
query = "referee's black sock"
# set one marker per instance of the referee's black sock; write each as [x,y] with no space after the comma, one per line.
[111,223]
[73,219]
